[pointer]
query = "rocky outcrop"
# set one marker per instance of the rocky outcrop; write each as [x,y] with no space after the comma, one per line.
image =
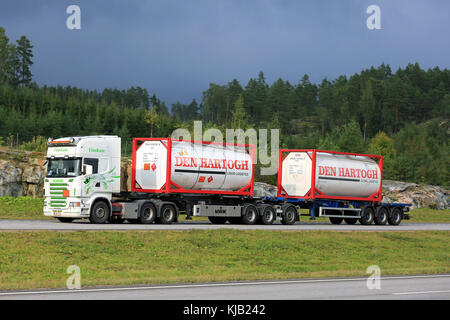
[21,174]
[418,196]
[262,189]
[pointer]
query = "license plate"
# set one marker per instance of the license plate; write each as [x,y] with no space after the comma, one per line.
[56,212]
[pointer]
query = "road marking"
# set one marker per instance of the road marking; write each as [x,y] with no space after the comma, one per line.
[217,285]
[420,292]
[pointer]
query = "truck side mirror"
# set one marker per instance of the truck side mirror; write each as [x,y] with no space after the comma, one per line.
[87,169]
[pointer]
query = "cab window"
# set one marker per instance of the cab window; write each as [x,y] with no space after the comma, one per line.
[93,162]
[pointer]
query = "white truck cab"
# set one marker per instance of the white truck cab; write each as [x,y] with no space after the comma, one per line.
[81,171]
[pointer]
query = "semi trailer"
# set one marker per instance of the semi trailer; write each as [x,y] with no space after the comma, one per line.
[170,177]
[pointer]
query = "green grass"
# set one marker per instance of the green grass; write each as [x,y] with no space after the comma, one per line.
[21,208]
[430,215]
[40,259]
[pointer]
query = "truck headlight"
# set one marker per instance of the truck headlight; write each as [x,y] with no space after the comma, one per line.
[74,204]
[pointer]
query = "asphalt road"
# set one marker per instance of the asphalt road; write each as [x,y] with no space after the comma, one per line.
[7,224]
[401,287]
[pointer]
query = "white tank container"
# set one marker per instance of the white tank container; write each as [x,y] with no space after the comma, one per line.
[336,174]
[194,166]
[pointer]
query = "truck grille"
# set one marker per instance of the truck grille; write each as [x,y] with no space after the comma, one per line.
[57,200]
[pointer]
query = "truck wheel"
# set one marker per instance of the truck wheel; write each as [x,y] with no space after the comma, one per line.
[267,215]
[217,220]
[395,217]
[65,220]
[99,212]
[289,215]
[249,214]
[147,213]
[335,220]
[367,215]
[350,220]
[168,214]
[382,215]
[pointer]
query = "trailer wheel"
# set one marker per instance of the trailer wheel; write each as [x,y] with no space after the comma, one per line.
[147,213]
[168,214]
[367,215]
[267,215]
[249,214]
[381,216]
[99,212]
[65,220]
[289,215]
[395,216]
[335,220]
[217,220]
[350,220]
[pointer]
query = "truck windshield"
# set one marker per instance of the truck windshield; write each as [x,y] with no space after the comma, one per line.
[63,167]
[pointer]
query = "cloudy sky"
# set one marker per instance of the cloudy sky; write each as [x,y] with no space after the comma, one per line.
[175,48]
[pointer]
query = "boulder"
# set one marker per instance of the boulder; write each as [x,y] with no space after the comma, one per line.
[262,189]
[10,180]
[426,196]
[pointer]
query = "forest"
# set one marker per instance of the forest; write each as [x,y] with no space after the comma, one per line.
[402,114]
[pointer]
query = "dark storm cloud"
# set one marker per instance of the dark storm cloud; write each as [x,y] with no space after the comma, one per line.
[176,48]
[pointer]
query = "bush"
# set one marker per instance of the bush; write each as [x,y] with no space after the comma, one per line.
[38,144]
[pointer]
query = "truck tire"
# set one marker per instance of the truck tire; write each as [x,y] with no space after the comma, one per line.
[249,214]
[367,215]
[147,213]
[289,215]
[65,220]
[217,220]
[335,220]
[395,216]
[267,215]
[168,214]
[350,220]
[381,215]
[99,212]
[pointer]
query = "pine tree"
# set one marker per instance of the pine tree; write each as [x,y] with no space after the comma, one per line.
[240,117]
[25,54]
[4,56]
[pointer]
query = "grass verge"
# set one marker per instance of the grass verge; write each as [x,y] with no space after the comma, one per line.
[40,259]
[22,208]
